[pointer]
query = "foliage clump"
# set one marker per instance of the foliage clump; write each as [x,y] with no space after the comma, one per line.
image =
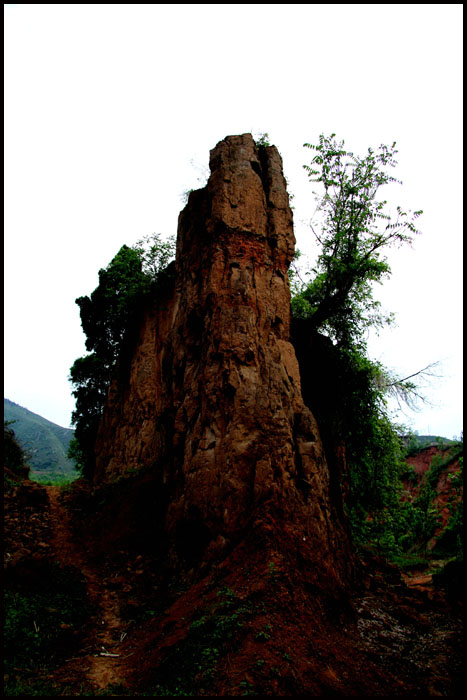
[108,318]
[354,228]
[44,616]
[262,140]
[15,457]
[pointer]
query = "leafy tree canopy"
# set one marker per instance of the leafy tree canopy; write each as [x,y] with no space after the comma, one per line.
[105,313]
[355,229]
[155,254]
[107,319]
[14,456]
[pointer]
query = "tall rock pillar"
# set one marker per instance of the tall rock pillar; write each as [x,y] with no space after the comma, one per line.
[213,400]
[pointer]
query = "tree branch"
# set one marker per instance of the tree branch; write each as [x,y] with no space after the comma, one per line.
[397,382]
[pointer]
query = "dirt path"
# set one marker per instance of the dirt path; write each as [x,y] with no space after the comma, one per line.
[101,663]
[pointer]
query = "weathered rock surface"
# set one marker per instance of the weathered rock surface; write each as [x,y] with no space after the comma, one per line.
[212,403]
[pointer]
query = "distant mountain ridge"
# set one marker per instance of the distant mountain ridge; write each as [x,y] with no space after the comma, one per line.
[45,442]
[428,440]
[415,443]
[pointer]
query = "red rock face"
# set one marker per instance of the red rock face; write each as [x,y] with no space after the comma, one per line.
[213,401]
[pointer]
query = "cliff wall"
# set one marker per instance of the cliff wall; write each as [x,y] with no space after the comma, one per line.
[212,404]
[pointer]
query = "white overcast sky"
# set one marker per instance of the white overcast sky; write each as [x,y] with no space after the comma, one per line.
[110,113]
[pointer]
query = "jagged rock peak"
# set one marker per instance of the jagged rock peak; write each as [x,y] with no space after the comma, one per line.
[248,189]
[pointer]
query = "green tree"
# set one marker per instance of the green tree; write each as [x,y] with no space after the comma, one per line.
[355,228]
[90,376]
[355,231]
[14,456]
[108,319]
[105,314]
[155,254]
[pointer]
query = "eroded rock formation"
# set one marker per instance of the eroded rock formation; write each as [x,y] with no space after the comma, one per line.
[212,404]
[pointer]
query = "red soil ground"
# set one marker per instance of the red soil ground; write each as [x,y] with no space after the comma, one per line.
[252,625]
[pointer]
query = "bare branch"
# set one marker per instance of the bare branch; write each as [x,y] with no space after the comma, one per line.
[415,374]
[315,234]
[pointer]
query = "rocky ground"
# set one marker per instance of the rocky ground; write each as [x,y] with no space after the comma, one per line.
[250,626]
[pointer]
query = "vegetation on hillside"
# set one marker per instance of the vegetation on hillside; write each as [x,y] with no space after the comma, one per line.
[414,442]
[43,626]
[451,540]
[45,443]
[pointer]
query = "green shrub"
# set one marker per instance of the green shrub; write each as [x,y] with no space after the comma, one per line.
[45,610]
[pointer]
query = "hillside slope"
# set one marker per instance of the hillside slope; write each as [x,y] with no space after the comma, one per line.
[434,470]
[45,442]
